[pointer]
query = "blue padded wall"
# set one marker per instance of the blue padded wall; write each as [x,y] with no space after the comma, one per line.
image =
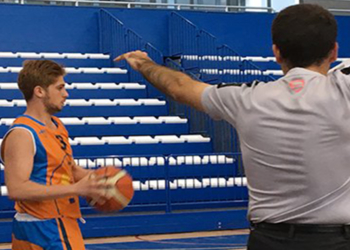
[151,25]
[48,29]
[246,33]
[250,33]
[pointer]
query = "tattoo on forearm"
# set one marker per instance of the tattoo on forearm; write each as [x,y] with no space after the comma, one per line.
[159,76]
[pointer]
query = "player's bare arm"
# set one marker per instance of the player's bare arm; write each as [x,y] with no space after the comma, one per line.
[18,158]
[177,85]
[80,172]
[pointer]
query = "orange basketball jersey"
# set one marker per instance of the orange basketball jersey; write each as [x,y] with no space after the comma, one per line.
[53,162]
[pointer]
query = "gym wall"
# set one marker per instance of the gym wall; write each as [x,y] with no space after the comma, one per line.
[75,29]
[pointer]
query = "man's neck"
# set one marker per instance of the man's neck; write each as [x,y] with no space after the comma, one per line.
[322,69]
[40,115]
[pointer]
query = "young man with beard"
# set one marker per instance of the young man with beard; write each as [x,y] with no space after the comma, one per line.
[40,172]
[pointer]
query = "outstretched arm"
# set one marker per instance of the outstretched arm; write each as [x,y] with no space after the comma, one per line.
[177,85]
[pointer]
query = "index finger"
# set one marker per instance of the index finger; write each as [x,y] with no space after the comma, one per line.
[119,58]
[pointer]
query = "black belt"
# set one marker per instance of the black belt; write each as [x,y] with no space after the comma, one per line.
[302,228]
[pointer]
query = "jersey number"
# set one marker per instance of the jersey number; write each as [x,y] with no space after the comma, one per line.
[63,144]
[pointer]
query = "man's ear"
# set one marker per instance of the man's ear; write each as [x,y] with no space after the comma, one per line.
[277,53]
[39,92]
[333,56]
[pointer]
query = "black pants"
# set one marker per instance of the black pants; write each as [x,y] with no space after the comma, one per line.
[284,238]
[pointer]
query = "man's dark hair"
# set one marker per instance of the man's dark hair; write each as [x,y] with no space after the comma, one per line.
[305,34]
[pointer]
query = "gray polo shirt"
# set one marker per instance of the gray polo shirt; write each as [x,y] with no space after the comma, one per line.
[295,141]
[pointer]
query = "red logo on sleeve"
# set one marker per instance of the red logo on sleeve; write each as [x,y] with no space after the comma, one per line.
[297,85]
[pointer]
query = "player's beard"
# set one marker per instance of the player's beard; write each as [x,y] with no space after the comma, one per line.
[50,107]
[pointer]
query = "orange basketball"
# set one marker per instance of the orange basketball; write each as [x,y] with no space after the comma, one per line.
[119,194]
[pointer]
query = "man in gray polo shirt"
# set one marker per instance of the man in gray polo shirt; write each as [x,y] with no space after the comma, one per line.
[294,133]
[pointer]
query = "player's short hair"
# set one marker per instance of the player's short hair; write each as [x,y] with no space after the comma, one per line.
[305,34]
[41,73]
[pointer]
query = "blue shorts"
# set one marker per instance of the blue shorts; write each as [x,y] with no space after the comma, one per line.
[30,233]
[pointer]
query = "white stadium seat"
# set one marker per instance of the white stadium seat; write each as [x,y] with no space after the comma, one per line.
[71,70]
[152,102]
[172,119]
[156,161]
[6,121]
[169,139]
[5,103]
[103,102]
[72,142]
[131,86]
[108,86]
[89,141]
[96,121]
[128,102]
[8,55]
[97,56]
[143,139]
[92,70]
[274,72]
[78,102]
[19,103]
[72,121]
[4,70]
[116,140]
[147,120]
[122,120]
[195,138]
[114,71]
[84,86]
[29,55]
[75,56]
[9,85]
[14,69]
[50,55]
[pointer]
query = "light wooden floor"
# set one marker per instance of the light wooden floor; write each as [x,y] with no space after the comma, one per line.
[156,237]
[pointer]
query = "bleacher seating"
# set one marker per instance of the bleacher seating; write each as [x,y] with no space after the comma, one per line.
[106,115]
[115,118]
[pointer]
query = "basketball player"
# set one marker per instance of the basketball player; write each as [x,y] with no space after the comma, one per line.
[294,133]
[40,172]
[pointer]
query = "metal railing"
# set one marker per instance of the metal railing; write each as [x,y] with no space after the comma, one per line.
[116,39]
[125,4]
[200,54]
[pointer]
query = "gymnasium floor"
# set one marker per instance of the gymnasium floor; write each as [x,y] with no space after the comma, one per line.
[215,240]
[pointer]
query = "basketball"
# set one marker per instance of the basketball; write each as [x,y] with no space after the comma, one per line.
[120,192]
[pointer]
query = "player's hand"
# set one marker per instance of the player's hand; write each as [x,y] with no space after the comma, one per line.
[92,186]
[134,58]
